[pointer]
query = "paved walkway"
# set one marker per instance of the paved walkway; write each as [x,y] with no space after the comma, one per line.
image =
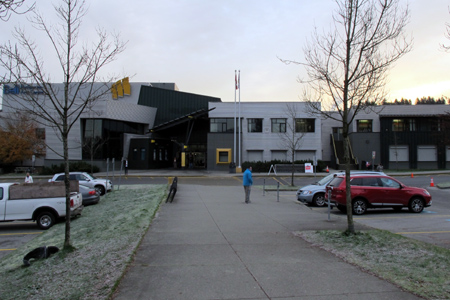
[208,244]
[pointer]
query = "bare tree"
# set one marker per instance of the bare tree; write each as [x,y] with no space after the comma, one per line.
[447,36]
[347,67]
[12,6]
[291,139]
[92,145]
[80,66]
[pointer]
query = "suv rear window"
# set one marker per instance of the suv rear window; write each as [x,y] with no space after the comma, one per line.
[366,181]
[336,181]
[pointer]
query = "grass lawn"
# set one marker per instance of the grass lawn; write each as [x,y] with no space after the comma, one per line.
[105,238]
[415,266]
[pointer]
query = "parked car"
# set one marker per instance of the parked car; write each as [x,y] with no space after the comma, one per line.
[376,191]
[314,194]
[90,195]
[100,184]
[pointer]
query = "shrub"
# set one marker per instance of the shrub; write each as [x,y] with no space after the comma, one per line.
[79,166]
[264,166]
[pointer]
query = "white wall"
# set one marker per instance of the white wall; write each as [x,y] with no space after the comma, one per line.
[266,141]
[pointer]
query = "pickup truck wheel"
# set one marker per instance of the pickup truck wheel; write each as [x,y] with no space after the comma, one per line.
[416,205]
[100,189]
[45,220]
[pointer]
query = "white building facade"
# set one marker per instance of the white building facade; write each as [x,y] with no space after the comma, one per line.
[265,126]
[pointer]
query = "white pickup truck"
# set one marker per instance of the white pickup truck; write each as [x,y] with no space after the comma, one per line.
[43,203]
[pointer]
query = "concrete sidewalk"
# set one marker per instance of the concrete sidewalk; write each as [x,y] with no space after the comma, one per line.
[208,244]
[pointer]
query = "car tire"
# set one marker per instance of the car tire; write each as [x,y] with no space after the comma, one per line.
[359,206]
[319,200]
[416,205]
[342,208]
[100,189]
[45,220]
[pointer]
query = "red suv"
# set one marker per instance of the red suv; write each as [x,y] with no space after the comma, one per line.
[376,191]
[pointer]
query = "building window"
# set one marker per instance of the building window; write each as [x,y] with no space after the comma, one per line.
[403,125]
[107,136]
[399,153]
[278,125]
[364,125]
[305,125]
[279,155]
[222,125]
[255,125]
[426,153]
[142,153]
[428,125]
[40,133]
[223,156]
[93,128]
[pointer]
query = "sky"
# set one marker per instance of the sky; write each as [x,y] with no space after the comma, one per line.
[199,44]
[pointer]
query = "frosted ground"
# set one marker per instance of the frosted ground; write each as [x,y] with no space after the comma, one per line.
[106,236]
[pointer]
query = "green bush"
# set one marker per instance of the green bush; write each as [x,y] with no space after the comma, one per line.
[79,166]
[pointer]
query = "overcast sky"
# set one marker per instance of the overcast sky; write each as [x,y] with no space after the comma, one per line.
[198,44]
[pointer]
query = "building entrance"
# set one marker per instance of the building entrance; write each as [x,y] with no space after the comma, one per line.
[196,160]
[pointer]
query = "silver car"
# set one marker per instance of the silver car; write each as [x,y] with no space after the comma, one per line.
[314,194]
[100,184]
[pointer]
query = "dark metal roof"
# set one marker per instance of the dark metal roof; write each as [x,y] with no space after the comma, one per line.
[180,120]
[172,104]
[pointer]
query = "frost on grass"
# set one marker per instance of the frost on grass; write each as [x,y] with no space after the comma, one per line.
[415,266]
[105,238]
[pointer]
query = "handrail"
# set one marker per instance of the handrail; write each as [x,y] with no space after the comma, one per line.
[351,151]
[334,148]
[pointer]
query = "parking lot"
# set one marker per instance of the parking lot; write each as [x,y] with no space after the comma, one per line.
[432,225]
[14,234]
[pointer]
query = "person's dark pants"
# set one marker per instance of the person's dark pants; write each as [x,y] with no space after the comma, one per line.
[247,189]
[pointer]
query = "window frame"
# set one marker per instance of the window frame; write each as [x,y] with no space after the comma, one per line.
[278,123]
[302,125]
[227,152]
[224,125]
[369,127]
[253,126]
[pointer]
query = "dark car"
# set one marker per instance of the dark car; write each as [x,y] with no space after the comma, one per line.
[90,195]
[376,191]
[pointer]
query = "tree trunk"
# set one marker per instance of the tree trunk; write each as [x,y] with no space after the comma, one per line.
[350,223]
[293,168]
[67,243]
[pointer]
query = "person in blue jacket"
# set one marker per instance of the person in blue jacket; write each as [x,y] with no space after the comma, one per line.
[247,182]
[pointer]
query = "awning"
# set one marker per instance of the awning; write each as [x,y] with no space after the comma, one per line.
[182,119]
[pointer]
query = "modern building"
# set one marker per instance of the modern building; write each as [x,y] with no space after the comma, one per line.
[149,124]
[398,137]
[154,125]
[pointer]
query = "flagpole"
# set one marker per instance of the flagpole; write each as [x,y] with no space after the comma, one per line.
[240,123]
[234,137]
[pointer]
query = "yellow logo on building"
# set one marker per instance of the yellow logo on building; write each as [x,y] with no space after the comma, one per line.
[120,88]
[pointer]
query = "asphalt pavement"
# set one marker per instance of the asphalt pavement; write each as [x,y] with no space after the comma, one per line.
[209,244]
